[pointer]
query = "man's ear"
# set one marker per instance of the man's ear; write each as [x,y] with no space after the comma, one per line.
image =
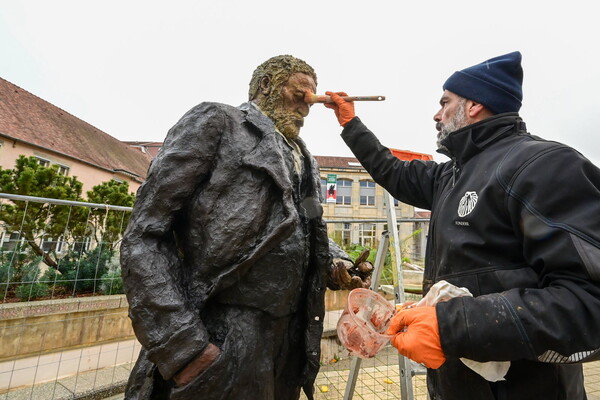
[477,110]
[474,109]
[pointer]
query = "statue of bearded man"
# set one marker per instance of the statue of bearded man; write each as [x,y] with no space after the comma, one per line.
[226,258]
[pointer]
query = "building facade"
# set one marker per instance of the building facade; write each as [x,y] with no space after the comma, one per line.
[355,209]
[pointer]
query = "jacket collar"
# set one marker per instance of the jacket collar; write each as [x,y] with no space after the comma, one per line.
[257,118]
[472,139]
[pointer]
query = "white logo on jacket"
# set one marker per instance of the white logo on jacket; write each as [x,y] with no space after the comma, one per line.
[467,204]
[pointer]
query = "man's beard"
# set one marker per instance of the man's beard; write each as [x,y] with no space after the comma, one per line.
[459,120]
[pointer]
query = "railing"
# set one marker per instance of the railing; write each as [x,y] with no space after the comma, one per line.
[64,329]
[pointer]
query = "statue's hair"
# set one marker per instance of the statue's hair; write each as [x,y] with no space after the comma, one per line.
[278,69]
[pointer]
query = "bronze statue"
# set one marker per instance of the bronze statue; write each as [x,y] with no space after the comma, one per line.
[226,258]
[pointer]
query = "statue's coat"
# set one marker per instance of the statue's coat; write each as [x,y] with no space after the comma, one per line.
[218,199]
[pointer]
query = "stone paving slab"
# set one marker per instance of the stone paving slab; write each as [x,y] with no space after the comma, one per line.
[88,385]
[376,381]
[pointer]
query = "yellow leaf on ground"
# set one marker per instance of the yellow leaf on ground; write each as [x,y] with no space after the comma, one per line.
[388,381]
[324,388]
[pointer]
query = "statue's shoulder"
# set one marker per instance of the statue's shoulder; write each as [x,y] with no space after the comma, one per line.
[211,107]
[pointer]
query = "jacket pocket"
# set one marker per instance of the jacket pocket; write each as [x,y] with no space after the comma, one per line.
[212,383]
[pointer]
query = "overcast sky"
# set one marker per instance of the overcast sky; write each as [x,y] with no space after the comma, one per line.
[133,68]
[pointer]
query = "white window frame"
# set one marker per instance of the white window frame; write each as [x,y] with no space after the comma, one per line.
[63,170]
[44,162]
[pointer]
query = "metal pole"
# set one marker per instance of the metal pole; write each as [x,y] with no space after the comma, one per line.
[406,389]
[19,197]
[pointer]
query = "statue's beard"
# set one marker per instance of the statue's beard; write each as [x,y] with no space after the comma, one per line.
[458,121]
[288,123]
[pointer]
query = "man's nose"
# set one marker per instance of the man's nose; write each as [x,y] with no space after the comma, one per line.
[437,117]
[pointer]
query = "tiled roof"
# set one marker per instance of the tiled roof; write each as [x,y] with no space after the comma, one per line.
[338,162]
[26,117]
[423,214]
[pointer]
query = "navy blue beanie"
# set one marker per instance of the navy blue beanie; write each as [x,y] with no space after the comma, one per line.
[495,83]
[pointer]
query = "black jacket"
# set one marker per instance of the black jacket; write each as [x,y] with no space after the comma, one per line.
[516,220]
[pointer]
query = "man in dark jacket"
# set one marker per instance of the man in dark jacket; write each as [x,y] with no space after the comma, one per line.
[516,220]
[226,259]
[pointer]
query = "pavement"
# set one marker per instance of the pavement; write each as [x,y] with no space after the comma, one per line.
[378,379]
[381,381]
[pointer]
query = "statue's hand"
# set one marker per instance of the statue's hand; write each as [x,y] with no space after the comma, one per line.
[348,275]
[197,365]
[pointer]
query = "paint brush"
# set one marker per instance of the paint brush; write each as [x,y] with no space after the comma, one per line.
[314,98]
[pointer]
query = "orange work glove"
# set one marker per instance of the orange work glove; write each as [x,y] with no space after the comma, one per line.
[417,336]
[344,110]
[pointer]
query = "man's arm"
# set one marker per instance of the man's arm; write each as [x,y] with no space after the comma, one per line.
[412,182]
[165,322]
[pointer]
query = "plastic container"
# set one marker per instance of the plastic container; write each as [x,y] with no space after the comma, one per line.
[363,324]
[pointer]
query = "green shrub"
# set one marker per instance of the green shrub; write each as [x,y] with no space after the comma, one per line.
[31,291]
[80,272]
[6,276]
[112,283]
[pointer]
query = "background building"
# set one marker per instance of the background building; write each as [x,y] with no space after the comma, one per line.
[31,126]
[355,197]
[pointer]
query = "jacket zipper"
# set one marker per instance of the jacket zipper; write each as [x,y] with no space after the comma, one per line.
[455,172]
[433,225]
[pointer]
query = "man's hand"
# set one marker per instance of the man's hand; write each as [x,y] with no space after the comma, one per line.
[417,335]
[197,365]
[344,110]
[348,275]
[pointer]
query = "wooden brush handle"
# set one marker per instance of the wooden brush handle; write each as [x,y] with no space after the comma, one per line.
[327,99]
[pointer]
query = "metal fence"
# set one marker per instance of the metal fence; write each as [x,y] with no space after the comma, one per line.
[64,330]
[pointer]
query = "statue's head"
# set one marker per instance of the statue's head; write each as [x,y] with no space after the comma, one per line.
[278,86]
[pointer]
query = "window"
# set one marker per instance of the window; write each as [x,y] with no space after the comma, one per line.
[367,193]
[50,244]
[63,170]
[323,189]
[10,241]
[43,162]
[83,245]
[385,198]
[367,235]
[342,234]
[344,191]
